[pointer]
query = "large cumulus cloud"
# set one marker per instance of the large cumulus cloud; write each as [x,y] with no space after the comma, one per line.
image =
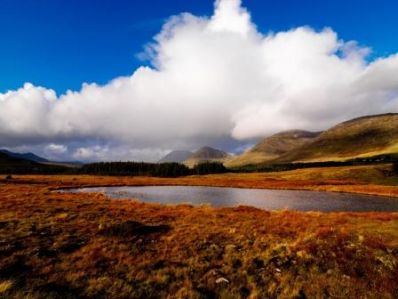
[211,78]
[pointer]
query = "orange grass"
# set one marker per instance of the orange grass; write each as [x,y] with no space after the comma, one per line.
[62,245]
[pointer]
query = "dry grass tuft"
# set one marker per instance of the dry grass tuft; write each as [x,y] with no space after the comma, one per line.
[5,286]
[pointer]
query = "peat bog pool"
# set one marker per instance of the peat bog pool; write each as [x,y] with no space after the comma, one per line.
[259,198]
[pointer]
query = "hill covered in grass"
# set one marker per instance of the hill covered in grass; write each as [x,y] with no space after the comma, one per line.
[9,161]
[360,138]
[357,138]
[14,165]
[26,156]
[273,147]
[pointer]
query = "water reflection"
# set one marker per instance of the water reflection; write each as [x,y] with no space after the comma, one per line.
[260,198]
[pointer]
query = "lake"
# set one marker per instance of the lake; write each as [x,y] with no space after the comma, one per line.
[260,198]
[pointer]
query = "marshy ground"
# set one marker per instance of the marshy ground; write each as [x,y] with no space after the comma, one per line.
[62,245]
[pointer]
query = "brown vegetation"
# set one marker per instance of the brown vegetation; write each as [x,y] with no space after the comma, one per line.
[63,245]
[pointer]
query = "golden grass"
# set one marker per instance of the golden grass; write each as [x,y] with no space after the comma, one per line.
[63,245]
[5,286]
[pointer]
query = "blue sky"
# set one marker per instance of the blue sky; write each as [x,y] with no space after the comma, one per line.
[61,44]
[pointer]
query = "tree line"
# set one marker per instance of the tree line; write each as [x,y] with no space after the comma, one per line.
[150,169]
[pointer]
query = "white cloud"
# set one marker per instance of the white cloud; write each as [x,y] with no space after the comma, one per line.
[116,153]
[211,78]
[56,148]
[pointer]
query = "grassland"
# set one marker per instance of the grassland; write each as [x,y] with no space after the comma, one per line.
[63,245]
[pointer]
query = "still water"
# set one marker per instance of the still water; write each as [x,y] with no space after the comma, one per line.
[260,198]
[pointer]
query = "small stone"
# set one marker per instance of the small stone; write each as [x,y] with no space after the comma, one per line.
[221,280]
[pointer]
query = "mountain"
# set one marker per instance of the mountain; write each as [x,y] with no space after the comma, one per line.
[273,147]
[15,165]
[206,153]
[176,156]
[357,138]
[8,161]
[25,156]
[35,158]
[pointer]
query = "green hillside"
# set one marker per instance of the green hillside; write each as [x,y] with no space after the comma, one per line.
[357,138]
[273,147]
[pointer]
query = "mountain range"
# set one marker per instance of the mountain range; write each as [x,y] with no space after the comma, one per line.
[361,137]
[22,158]
[25,156]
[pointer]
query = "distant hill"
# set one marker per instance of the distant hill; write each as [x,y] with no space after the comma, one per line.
[7,161]
[26,156]
[14,165]
[35,158]
[176,156]
[357,138]
[204,154]
[273,147]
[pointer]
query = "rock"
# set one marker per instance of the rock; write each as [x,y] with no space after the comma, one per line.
[221,280]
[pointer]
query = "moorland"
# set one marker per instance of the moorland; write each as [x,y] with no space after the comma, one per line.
[64,245]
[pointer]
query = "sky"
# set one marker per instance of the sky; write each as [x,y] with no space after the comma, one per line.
[132,80]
